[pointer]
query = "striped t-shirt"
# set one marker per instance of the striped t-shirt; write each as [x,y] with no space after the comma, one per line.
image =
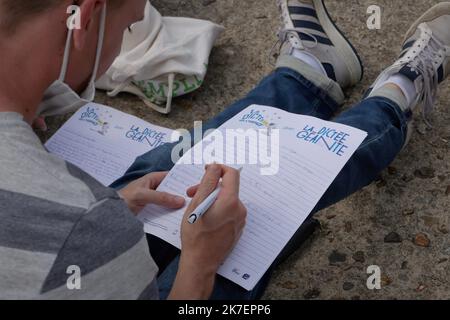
[56,223]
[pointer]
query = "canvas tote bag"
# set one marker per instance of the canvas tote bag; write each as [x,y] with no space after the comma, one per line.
[161,58]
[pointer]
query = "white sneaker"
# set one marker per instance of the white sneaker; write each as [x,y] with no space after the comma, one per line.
[425,57]
[307,27]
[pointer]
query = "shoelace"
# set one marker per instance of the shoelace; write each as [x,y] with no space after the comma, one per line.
[283,35]
[427,63]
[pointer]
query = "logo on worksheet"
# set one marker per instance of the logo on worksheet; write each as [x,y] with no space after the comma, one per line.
[92,116]
[237,272]
[266,123]
[259,119]
[154,138]
[333,140]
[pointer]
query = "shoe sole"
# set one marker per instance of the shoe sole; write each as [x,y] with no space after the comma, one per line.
[344,47]
[435,12]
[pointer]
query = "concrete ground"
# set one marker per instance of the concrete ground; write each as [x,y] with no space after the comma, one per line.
[376,226]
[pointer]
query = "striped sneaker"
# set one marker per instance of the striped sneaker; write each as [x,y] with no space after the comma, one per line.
[425,57]
[307,26]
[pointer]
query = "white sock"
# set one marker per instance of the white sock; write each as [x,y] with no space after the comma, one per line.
[405,84]
[310,60]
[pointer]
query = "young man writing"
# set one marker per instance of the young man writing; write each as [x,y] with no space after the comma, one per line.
[56,219]
[54,216]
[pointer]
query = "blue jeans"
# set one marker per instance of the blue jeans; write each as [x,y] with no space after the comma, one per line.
[288,90]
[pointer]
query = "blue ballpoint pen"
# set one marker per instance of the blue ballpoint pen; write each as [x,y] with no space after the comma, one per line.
[205,205]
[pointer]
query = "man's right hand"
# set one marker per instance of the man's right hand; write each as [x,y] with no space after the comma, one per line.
[207,243]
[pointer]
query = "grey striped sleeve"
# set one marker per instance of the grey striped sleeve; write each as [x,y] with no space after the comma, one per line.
[54,217]
[40,240]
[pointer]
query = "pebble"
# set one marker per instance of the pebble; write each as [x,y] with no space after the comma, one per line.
[311,294]
[359,256]
[447,192]
[337,257]
[392,170]
[408,212]
[420,288]
[425,173]
[421,240]
[443,229]
[393,237]
[208,2]
[261,16]
[404,265]
[330,216]
[230,52]
[289,285]
[385,280]
[381,183]
[348,227]
[347,286]
[407,178]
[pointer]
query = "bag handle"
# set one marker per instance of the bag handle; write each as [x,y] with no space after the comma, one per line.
[125,86]
[168,108]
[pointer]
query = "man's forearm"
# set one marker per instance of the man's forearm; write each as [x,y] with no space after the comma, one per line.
[192,283]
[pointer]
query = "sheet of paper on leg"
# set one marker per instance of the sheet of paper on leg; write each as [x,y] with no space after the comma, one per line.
[311,154]
[104,142]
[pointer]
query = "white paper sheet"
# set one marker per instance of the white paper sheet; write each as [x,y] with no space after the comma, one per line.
[104,142]
[312,153]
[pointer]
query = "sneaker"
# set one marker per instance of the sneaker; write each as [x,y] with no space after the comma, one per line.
[425,57]
[307,26]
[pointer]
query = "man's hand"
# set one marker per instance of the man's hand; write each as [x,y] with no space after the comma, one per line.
[40,124]
[141,193]
[207,243]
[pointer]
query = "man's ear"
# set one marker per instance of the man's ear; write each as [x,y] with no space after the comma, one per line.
[89,13]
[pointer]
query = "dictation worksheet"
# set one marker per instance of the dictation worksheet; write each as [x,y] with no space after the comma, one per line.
[104,142]
[307,155]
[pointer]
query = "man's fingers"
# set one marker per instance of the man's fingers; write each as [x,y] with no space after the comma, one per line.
[230,181]
[156,178]
[40,124]
[163,199]
[192,191]
[209,183]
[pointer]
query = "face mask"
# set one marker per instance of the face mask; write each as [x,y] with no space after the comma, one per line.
[60,98]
